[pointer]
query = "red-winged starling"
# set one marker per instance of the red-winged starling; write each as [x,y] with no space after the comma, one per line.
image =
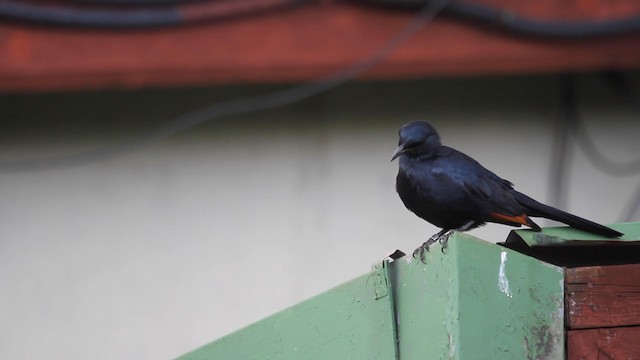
[454,192]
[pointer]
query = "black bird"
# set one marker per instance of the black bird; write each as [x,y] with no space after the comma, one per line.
[454,192]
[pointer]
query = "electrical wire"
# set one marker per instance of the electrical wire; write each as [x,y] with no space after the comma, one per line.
[160,13]
[238,106]
[570,124]
[597,157]
[135,2]
[622,88]
[518,24]
[144,17]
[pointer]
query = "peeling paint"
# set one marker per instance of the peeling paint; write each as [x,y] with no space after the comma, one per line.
[452,347]
[547,240]
[503,282]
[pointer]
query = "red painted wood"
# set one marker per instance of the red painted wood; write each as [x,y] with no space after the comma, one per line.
[302,44]
[610,343]
[603,296]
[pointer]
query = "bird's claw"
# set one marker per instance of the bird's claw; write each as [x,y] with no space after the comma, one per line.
[420,251]
[444,242]
[442,238]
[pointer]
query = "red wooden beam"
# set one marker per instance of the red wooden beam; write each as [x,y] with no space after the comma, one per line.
[609,343]
[302,44]
[603,296]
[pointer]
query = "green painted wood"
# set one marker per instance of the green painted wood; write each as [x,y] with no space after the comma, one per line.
[347,322]
[567,236]
[519,297]
[479,300]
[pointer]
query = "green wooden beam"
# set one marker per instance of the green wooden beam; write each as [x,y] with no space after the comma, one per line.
[351,321]
[567,236]
[477,300]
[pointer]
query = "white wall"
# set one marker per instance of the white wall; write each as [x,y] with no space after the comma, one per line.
[152,254]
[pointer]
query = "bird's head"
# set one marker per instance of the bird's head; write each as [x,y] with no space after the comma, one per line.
[416,138]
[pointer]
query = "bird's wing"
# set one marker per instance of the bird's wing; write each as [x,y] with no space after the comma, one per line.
[484,190]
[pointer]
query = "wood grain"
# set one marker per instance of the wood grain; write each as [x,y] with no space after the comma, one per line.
[603,296]
[610,343]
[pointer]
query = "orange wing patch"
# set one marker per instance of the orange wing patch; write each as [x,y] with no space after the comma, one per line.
[517,219]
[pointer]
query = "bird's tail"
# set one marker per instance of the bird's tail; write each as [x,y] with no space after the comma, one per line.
[537,209]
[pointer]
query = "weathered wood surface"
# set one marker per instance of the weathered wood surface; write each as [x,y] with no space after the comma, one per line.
[603,296]
[608,343]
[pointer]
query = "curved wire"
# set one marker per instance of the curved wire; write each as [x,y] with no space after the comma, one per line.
[623,89]
[176,13]
[135,2]
[519,24]
[137,18]
[571,123]
[238,106]
[597,157]
[514,23]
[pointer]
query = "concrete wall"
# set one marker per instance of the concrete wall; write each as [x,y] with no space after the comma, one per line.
[156,252]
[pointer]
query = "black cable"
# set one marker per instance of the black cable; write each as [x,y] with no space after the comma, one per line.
[235,107]
[597,158]
[571,125]
[145,17]
[136,2]
[514,23]
[69,16]
[622,87]
[172,15]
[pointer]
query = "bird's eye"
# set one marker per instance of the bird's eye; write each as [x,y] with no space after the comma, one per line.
[411,145]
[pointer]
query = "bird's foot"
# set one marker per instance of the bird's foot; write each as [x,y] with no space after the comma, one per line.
[444,240]
[442,237]
[419,253]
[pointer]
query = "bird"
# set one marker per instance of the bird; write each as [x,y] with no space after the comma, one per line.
[452,191]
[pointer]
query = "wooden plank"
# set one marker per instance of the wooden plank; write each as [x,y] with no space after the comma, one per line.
[610,343]
[603,296]
[446,308]
[302,44]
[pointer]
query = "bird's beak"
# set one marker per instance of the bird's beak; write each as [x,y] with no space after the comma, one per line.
[399,151]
